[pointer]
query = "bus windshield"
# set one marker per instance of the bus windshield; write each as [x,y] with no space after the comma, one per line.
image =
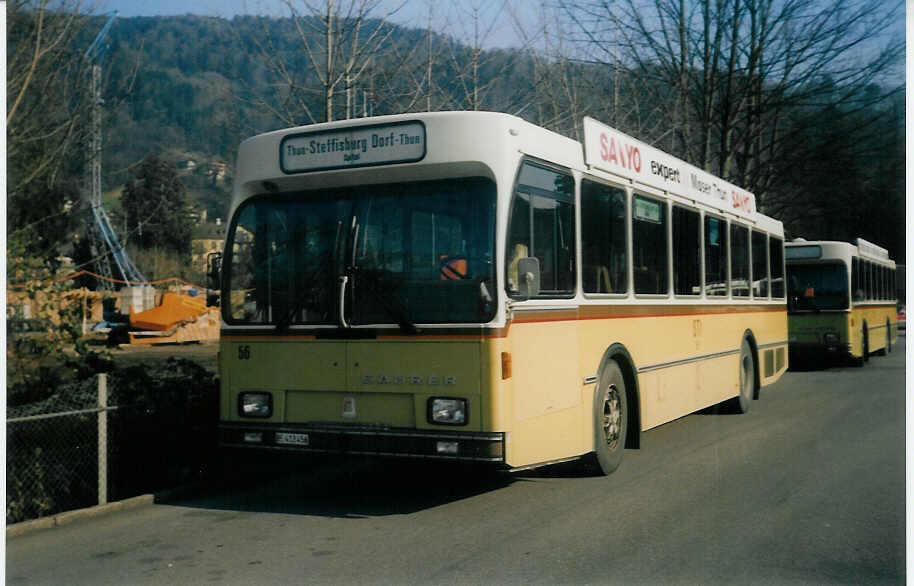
[402,253]
[817,287]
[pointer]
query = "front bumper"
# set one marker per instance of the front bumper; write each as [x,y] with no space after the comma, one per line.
[819,351]
[366,440]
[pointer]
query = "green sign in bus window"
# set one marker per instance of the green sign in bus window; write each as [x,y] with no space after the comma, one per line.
[647,210]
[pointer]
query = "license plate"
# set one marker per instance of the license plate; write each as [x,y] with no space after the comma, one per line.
[295,439]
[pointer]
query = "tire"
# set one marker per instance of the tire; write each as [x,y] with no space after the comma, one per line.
[884,351]
[866,344]
[610,419]
[741,402]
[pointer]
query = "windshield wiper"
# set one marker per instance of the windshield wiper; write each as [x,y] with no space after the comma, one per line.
[382,292]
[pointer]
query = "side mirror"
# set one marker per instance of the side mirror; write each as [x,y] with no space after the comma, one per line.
[214,270]
[528,276]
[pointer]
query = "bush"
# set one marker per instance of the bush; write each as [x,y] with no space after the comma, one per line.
[162,434]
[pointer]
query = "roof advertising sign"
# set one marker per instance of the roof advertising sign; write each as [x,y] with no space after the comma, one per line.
[612,151]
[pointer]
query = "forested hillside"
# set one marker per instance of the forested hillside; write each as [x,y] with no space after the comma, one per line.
[194,87]
[818,136]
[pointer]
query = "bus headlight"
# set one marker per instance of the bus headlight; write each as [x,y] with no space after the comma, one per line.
[255,405]
[447,411]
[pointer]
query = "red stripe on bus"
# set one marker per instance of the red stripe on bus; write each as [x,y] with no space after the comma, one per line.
[552,316]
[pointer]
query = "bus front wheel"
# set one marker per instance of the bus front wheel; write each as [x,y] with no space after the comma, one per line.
[859,361]
[610,418]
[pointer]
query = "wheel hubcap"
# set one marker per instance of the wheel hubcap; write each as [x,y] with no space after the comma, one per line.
[612,417]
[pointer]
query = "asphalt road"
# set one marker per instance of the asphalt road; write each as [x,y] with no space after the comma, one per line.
[807,488]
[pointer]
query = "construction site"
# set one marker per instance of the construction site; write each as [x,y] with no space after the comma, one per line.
[135,315]
[125,309]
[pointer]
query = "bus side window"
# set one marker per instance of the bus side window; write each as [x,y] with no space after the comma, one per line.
[883,281]
[856,284]
[649,249]
[686,251]
[542,221]
[603,238]
[759,265]
[715,257]
[877,282]
[739,260]
[776,255]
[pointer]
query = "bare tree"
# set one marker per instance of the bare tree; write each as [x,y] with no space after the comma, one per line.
[318,72]
[726,73]
[46,97]
[481,72]
[48,105]
[406,78]
[558,82]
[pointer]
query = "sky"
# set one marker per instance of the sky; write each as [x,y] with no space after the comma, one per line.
[447,16]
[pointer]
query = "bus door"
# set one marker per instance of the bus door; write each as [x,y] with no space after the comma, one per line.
[543,337]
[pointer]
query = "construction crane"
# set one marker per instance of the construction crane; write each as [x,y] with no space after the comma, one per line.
[105,243]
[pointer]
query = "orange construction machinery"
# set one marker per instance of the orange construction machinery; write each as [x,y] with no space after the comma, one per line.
[178,319]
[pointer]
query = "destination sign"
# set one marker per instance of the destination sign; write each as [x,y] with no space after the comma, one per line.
[358,146]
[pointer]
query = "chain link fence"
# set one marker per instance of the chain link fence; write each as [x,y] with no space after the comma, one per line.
[110,437]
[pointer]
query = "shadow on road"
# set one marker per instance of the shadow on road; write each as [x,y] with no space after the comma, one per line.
[814,363]
[346,487]
[578,468]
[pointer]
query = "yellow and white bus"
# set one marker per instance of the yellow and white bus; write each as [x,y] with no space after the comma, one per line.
[841,299]
[470,286]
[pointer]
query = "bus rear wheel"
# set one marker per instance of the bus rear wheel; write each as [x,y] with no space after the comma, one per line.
[610,419]
[888,341]
[741,402]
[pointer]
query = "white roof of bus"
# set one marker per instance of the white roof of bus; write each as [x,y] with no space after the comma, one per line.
[844,250]
[487,140]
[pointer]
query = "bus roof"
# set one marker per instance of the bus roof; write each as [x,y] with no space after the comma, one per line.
[391,148]
[812,250]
